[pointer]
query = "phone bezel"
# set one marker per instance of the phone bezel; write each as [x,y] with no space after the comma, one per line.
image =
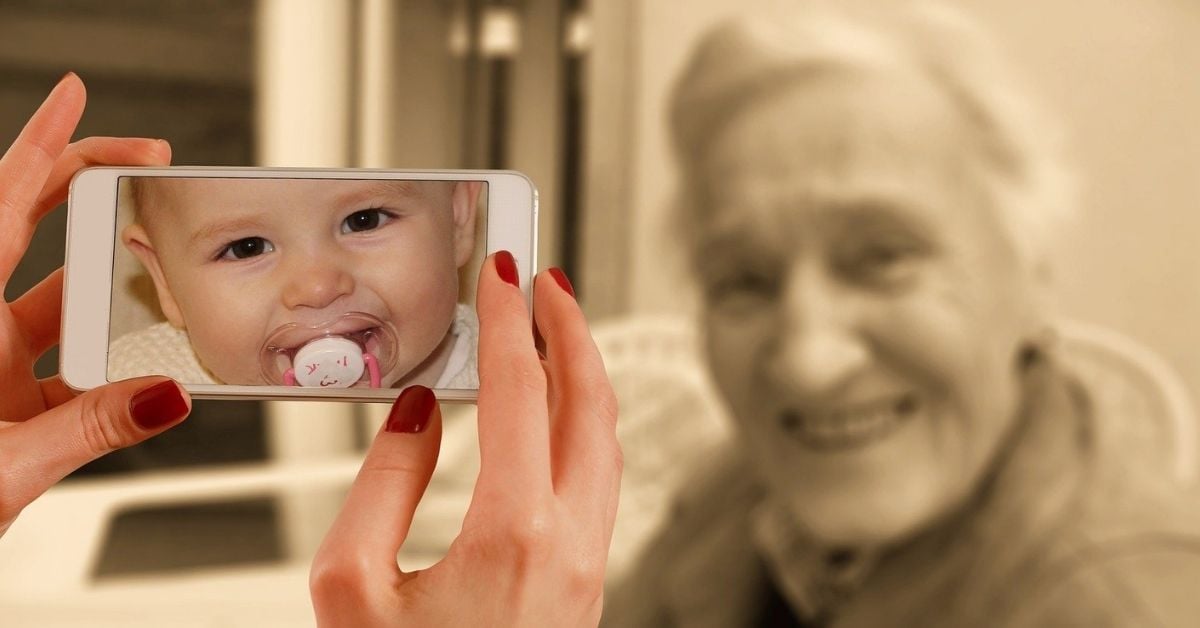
[512,211]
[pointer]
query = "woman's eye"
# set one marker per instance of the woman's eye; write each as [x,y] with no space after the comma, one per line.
[740,286]
[882,262]
[365,220]
[881,257]
[246,247]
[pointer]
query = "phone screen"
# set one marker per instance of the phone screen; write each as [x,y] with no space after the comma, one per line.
[330,283]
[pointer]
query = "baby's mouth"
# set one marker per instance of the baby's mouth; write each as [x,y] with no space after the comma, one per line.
[851,426]
[363,335]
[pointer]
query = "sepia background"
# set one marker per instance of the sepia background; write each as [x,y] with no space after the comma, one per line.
[214,522]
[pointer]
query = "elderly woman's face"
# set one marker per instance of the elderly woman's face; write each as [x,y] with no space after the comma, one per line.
[863,305]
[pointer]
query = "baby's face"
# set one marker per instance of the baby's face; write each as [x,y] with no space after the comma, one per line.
[234,259]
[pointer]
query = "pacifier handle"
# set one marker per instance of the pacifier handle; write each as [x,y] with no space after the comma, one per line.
[289,376]
[373,369]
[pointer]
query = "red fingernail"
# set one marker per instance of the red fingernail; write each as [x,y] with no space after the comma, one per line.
[157,406]
[410,414]
[560,278]
[506,267]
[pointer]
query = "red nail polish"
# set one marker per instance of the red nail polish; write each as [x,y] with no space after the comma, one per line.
[410,414]
[560,278]
[506,267]
[158,406]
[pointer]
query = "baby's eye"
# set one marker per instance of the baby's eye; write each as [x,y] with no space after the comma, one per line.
[366,220]
[246,247]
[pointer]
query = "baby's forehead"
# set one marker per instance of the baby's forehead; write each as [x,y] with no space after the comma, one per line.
[182,193]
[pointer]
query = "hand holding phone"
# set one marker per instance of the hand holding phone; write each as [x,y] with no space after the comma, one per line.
[286,283]
[535,540]
[46,431]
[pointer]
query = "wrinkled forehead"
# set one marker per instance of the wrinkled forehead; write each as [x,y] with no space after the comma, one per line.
[845,140]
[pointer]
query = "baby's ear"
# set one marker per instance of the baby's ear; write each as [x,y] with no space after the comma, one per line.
[465,201]
[135,238]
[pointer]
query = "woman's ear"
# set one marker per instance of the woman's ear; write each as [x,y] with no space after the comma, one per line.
[137,241]
[465,201]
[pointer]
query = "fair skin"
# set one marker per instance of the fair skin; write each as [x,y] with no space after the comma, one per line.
[864,307]
[235,259]
[535,540]
[46,430]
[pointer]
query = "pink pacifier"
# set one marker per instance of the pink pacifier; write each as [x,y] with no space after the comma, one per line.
[353,348]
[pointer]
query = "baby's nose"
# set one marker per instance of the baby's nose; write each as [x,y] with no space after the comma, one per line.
[316,285]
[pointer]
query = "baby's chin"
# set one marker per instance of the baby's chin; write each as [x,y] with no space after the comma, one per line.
[244,380]
[231,376]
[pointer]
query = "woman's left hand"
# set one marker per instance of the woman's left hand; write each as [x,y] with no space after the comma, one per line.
[46,431]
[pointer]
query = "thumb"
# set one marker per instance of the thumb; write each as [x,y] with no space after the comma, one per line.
[42,450]
[359,551]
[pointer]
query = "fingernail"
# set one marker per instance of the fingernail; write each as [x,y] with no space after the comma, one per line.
[560,278]
[410,414]
[157,406]
[506,267]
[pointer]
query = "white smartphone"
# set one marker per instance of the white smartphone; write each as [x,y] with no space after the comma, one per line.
[286,283]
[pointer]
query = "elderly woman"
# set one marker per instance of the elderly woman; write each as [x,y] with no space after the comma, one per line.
[869,207]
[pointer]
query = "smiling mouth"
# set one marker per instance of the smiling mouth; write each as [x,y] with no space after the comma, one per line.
[849,428]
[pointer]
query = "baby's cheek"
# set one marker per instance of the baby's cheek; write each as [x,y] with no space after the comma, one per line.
[231,352]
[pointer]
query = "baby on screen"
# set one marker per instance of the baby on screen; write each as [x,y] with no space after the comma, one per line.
[251,273]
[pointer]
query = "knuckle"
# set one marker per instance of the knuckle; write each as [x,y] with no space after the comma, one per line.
[584,579]
[337,578]
[530,536]
[100,423]
[394,465]
[86,150]
[43,147]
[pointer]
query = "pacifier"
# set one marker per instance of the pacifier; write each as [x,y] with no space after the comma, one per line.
[351,349]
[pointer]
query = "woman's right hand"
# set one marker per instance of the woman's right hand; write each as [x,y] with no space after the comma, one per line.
[534,543]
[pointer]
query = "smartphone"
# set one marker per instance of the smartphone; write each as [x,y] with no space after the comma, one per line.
[286,283]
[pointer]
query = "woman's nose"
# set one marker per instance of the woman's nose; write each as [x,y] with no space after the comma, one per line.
[819,344]
[313,282]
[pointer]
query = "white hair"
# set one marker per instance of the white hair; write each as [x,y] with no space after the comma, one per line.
[748,58]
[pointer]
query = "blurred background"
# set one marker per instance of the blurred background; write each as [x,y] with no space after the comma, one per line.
[214,522]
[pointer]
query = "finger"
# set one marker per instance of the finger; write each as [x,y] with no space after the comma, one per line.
[359,551]
[44,449]
[96,151]
[28,162]
[55,392]
[514,441]
[586,454]
[39,313]
[27,400]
